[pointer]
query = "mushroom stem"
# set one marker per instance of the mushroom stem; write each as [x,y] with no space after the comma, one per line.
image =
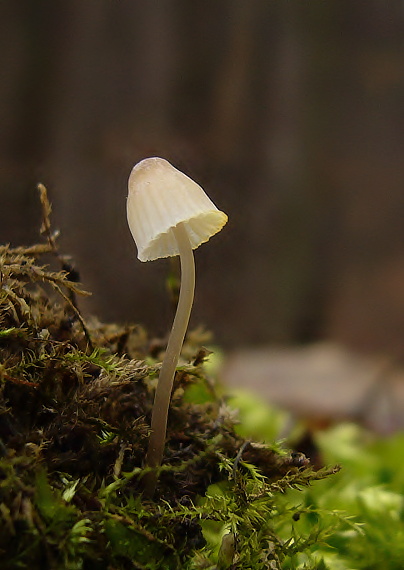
[165,383]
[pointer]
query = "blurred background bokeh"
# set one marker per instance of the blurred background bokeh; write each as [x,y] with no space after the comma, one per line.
[290,114]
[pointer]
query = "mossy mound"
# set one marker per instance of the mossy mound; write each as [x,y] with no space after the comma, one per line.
[75,406]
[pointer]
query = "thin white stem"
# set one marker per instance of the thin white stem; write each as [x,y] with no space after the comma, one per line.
[165,383]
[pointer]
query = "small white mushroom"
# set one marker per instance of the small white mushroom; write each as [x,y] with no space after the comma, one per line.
[169,214]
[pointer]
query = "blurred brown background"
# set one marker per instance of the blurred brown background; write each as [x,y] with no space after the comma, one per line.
[290,114]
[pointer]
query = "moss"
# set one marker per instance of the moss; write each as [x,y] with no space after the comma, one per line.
[75,406]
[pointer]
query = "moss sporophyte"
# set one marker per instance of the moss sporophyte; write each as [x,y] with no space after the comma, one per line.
[168,215]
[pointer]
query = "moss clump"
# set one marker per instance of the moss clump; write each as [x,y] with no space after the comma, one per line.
[75,407]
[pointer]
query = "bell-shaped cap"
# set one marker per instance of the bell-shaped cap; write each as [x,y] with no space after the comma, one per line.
[160,197]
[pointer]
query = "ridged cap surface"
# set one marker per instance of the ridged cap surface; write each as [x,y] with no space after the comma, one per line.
[160,197]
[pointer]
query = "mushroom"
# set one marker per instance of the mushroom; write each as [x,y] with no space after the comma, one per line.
[168,215]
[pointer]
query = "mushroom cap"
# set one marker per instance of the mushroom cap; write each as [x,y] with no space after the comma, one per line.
[160,197]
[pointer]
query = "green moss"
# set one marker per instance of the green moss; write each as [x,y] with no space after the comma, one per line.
[75,403]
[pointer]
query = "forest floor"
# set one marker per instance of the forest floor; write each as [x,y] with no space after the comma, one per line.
[323,382]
